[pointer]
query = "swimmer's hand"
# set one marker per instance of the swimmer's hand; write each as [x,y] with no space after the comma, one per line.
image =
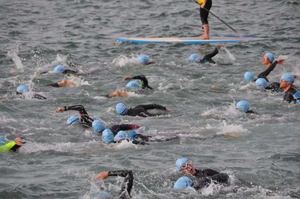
[38,74]
[59,109]
[102,175]
[168,110]
[231,135]
[18,141]
[127,78]
[280,61]
[219,46]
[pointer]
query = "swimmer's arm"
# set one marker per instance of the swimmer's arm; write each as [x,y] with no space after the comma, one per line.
[209,172]
[42,73]
[268,70]
[63,83]
[155,106]
[79,108]
[38,96]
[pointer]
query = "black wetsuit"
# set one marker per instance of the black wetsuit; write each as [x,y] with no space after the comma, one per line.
[289,95]
[15,147]
[144,81]
[275,86]
[208,57]
[204,13]
[251,112]
[127,184]
[35,96]
[267,71]
[141,110]
[123,127]
[203,177]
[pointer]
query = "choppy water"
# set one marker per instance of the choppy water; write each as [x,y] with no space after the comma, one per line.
[60,162]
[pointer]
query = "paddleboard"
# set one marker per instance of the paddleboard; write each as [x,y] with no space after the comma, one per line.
[191,40]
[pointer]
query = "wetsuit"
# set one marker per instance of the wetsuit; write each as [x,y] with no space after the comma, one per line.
[123,127]
[289,95]
[267,71]
[208,57]
[251,112]
[204,13]
[141,110]
[144,81]
[11,146]
[275,86]
[201,178]
[127,184]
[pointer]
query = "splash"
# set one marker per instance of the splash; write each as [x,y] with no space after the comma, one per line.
[122,60]
[13,54]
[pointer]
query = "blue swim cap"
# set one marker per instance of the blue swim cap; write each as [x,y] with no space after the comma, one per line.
[131,135]
[243,105]
[98,126]
[143,59]
[194,58]
[59,69]
[73,120]
[121,109]
[22,89]
[107,136]
[121,135]
[288,78]
[2,140]
[133,85]
[248,76]
[180,162]
[270,56]
[261,83]
[183,182]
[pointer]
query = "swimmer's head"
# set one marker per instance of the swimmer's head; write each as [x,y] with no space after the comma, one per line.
[59,69]
[107,136]
[243,105]
[143,59]
[18,141]
[73,120]
[180,162]
[248,76]
[22,89]
[288,78]
[185,166]
[98,126]
[183,182]
[194,58]
[261,83]
[131,135]
[268,58]
[133,85]
[121,135]
[121,109]
[2,140]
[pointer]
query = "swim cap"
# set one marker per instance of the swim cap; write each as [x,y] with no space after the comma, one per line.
[2,140]
[288,77]
[98,126]
[121,135]
[107,136]
[248,76]
[59,69]
[133,85]
[121,109]
[180,162]
[143,59]
[22,89]
[243,105]
[183,182]
[261,83]
[73,120]
[270,56]
[194,58]
[131,135]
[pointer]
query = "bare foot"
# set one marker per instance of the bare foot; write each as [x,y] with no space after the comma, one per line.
[204,37]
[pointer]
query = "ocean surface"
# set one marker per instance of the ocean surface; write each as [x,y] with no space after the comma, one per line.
[60,161]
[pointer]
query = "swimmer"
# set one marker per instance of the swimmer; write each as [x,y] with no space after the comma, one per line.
[143,60]
[244,106]
[24,89]
[109,138]
[86,121]
[291,94]
[261,83]
[126,186]
[197,178]
[207,58]
[140,110]
[10,146]
[133,85]
[268,61]
[60,69]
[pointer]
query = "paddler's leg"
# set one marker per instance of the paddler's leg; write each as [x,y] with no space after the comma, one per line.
[204,15]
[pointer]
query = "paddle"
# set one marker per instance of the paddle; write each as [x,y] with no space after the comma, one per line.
[222,21]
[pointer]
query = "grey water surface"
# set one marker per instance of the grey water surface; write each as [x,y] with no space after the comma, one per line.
[60,161]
